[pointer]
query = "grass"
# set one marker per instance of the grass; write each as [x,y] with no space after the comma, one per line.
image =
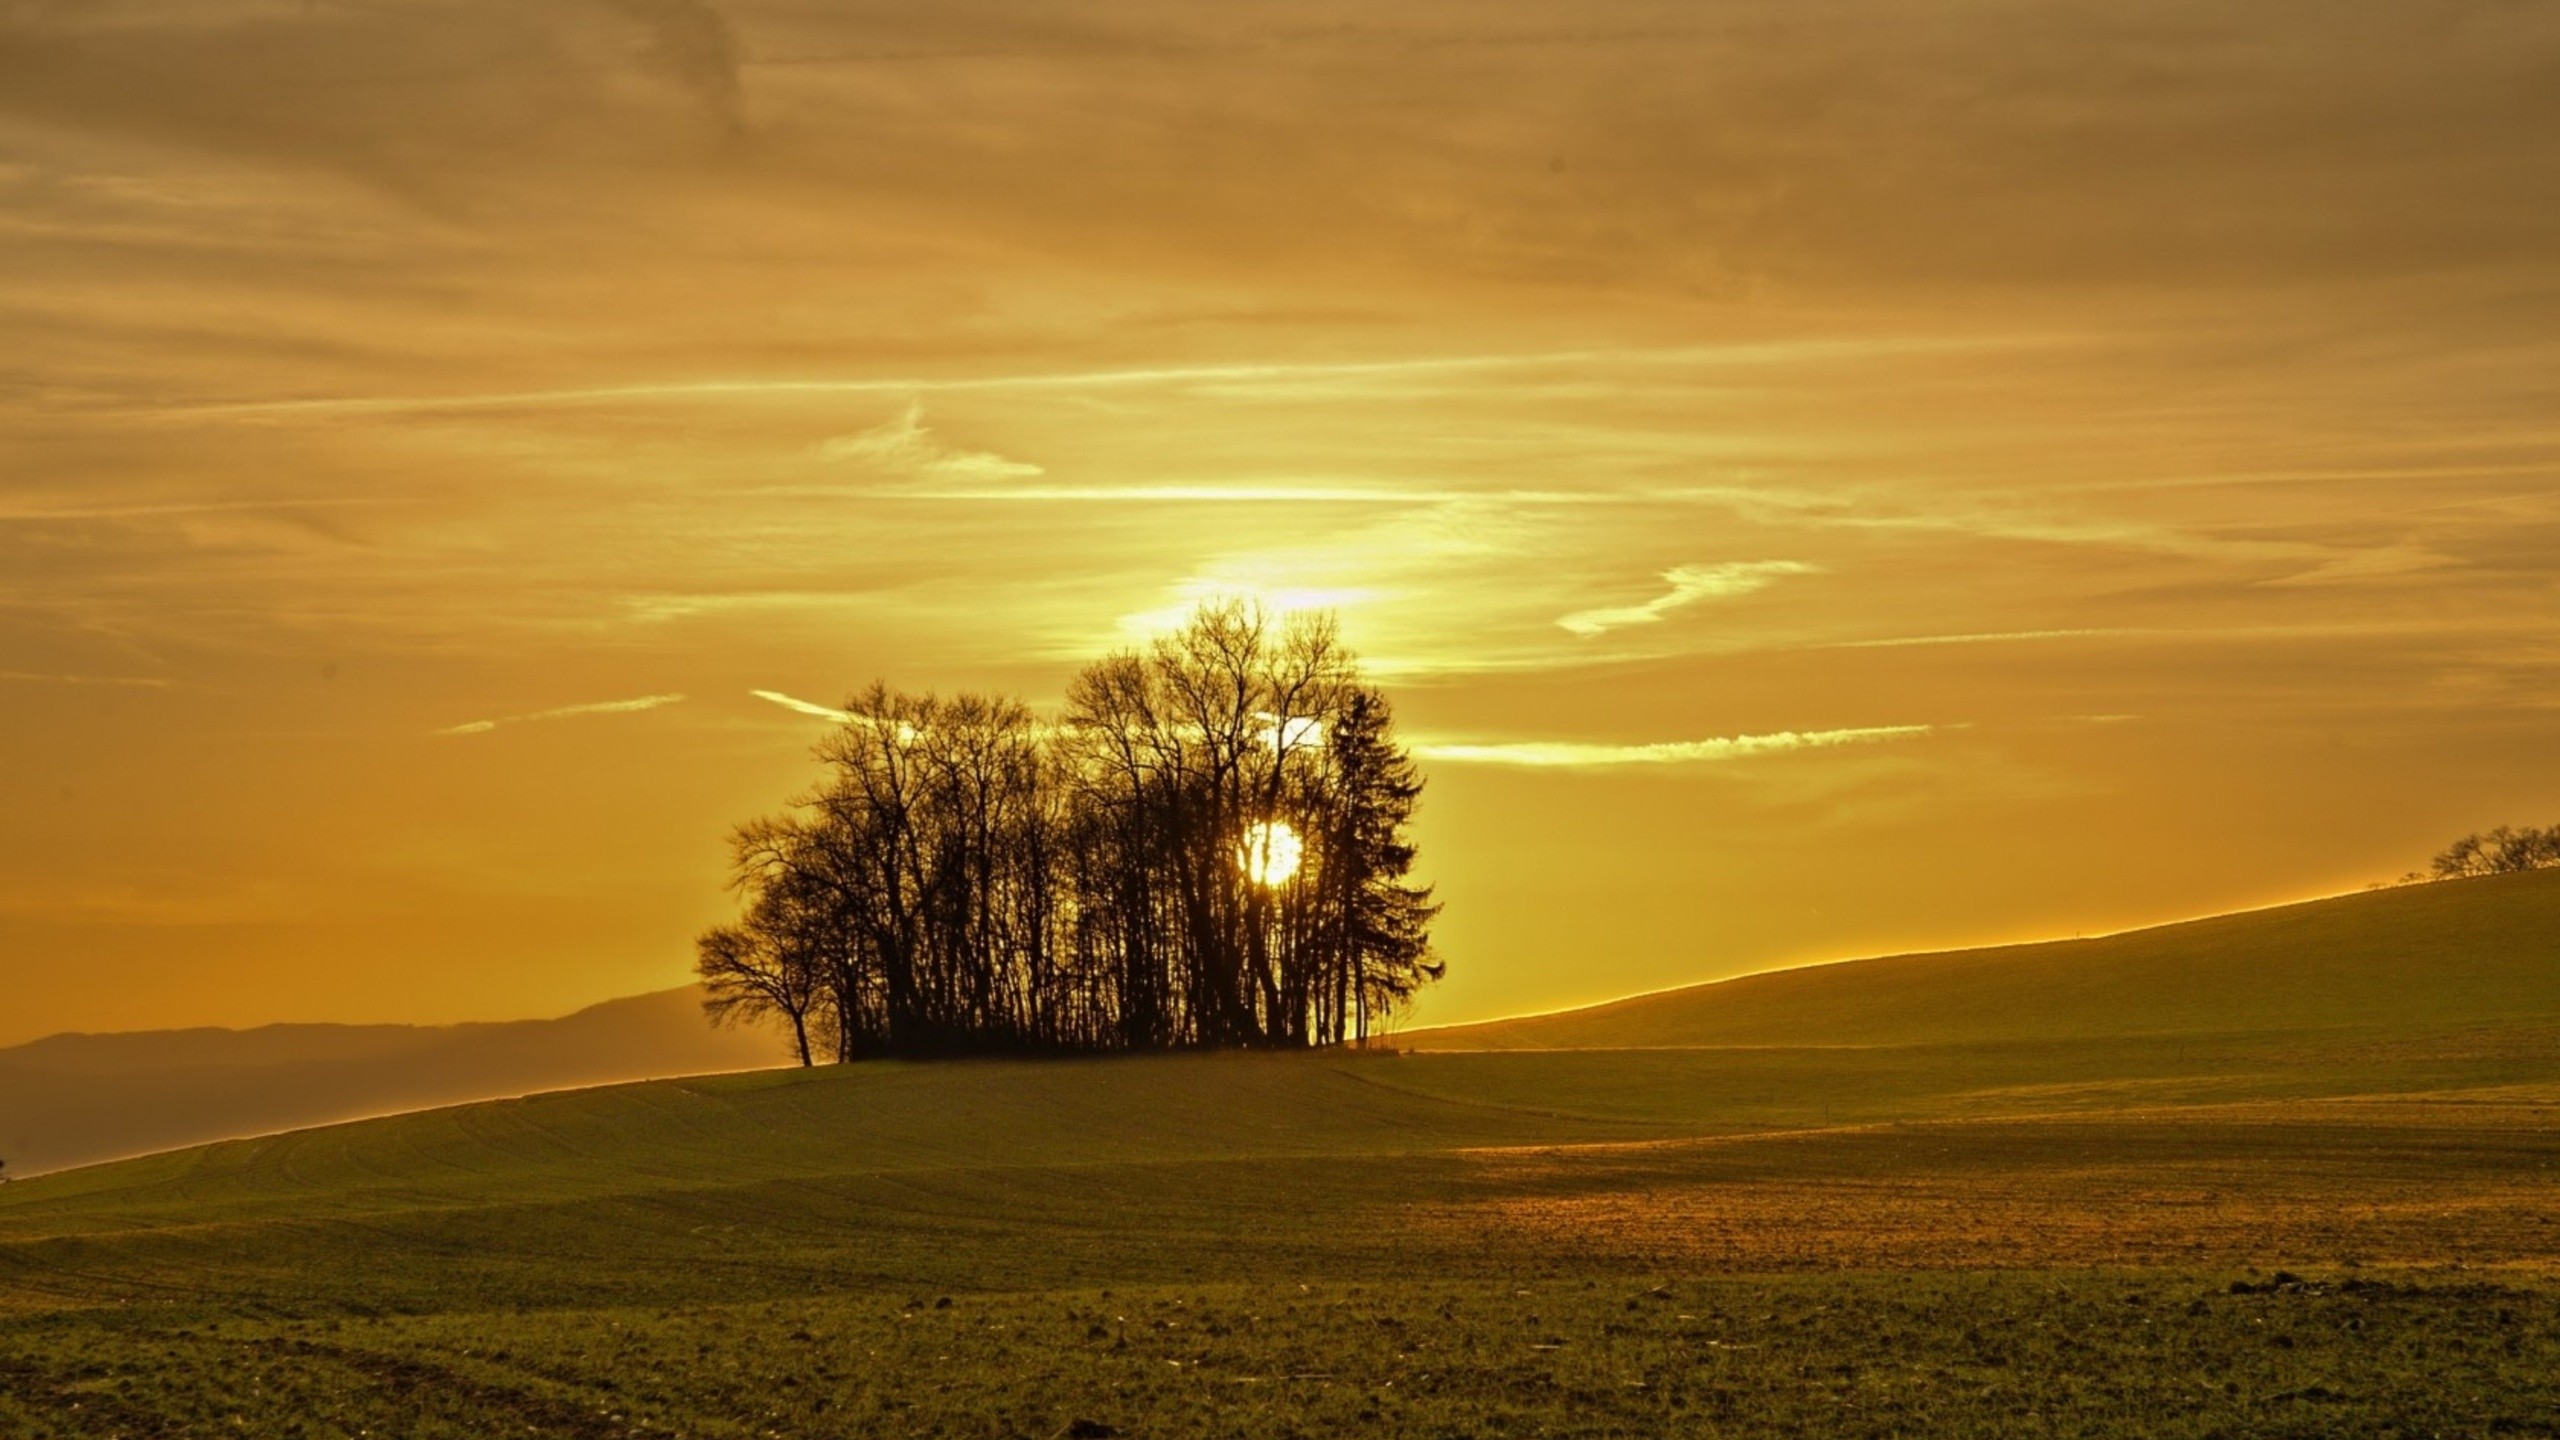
[2464,952]
[1956,1355]
[2350,1229]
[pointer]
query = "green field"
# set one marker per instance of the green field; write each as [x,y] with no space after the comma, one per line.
[2159,1225]
[2484,951]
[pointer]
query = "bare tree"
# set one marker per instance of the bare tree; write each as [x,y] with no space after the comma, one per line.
[2503,851]
[1207,849]
[749,977]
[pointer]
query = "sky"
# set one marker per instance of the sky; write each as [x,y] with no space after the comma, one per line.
[1816,479]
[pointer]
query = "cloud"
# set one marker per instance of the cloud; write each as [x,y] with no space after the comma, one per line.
[1246,493]
[905,445]
[2380,562]
[600,707]
[1289,376]
[1689,584]
[185,509]
[1987,637]
[1276,601]
[805,707]
[33,677]
[1579,755]
[693,43]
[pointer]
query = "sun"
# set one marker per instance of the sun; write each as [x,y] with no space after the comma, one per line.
[1270,852]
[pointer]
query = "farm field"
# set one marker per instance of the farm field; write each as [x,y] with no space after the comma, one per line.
[2319,1230]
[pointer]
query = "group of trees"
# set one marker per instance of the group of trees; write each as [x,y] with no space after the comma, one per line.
[2502,851]
[1206,848]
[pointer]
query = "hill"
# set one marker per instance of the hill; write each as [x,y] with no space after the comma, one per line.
[1769,1237]
[77,1099]
[2455,953]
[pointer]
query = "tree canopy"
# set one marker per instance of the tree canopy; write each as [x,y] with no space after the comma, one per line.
[1205,848]
[2501,851]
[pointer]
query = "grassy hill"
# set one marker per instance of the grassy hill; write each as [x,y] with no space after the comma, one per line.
[2457,953]
[71,1100]
[2466,953]
[1917,1230]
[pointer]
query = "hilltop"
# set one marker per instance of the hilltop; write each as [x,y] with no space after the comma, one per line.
[2455,953]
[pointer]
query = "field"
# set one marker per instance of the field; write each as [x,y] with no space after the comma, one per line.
[2308,1230]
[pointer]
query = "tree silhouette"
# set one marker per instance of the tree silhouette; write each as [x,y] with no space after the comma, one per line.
[2502,851]
[1205,849]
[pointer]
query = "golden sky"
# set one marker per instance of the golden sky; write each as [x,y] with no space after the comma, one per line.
[1817,478]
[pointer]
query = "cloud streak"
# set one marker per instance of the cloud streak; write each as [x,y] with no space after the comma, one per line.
[904,445]
[209,507]
[1246,493]
[1560,754]
[1984,637]
[565,712]
[694,45]
[1074,380]
[1689,585]
[34,677]
[796,704]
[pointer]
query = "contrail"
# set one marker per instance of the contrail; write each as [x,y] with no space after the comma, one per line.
[1668,752]
[600,707]
[805,707]
[1996,637]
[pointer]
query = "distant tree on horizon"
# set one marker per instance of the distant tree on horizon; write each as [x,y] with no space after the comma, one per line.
[2503,851]
[1206,848]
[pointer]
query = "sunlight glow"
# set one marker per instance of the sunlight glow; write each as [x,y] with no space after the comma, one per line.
[1277,601]
[1270,853]
[1293,732]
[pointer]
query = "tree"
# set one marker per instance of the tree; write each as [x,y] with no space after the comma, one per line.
[2503,851]
[1207,848]
[768,964]
[1385,946]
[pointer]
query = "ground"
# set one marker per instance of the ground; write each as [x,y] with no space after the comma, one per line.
[2285,1234]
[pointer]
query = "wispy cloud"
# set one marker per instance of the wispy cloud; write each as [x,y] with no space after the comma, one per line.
[1985,637]
[207,507]
[600,707]
[2378,562]
[1135,377]
[1251,493]
[1689,584]
[693,43]
[904,444]
[795,703]
[34,677]
[1575,754]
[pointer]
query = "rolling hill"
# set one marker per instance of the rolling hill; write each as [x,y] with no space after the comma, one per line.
[2391,963]
[77,1099]
[2462,952]
[1606,1241]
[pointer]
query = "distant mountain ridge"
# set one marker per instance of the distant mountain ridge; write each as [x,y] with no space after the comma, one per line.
[75,1099]
[2452,953]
